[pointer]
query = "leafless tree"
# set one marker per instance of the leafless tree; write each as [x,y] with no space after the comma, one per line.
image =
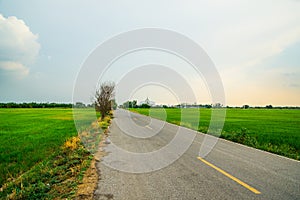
[103,98]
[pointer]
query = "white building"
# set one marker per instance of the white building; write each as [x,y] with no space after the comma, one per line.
[148,102]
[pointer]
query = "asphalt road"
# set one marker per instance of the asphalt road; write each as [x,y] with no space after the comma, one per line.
[147,170]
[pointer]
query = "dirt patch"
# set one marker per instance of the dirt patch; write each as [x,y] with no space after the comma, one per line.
[92,175]
[89,183]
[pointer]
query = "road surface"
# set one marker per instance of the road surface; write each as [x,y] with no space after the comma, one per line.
[229,171]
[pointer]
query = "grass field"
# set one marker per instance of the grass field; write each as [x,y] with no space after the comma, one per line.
[273,130]
[29,137]
[31,141]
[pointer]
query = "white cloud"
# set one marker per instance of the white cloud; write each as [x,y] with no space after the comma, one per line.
[256,32]
[18,46]
[14,67]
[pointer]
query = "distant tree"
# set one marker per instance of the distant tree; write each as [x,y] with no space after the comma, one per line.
[129,104]
[217,105]
[245,106]
[114,104]
[144,105]
[207,106]
[35,105]
[79,105]
[126,104]
[103,98]
[269,106]
[134,104]
[92,105]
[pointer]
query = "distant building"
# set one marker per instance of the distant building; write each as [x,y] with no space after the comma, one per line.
[148,102]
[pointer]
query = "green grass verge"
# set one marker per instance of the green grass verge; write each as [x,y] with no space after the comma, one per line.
[30,150]
[273,130]
[56,177]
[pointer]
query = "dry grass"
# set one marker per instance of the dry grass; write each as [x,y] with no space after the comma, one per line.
[90,180]
[72,143]
[89,183]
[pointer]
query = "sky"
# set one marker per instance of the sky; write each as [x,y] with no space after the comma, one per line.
[254,45]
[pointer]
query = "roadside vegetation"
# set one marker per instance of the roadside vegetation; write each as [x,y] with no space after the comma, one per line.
[56,177]
[104,98]
[105,122]
[273,130]
[41,155]
[28,136]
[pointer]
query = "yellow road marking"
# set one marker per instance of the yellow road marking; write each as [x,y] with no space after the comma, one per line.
[230,176]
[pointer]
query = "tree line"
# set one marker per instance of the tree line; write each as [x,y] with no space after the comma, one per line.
[133,104]
[35,105]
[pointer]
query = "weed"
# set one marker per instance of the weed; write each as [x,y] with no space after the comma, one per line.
[104,123]
[72,143]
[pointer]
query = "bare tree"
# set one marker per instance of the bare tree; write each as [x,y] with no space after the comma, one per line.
[103,98]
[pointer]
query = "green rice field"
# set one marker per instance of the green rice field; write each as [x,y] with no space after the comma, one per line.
[29,136]
[273,130]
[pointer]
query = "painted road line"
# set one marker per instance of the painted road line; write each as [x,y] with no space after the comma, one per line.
[149,127]
[230,176]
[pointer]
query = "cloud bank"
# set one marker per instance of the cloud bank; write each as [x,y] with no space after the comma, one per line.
[18,46]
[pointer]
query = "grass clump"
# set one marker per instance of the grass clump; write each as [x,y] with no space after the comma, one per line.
[72,143]
[104,123]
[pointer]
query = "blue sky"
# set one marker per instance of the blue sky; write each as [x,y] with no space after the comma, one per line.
[254,45]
